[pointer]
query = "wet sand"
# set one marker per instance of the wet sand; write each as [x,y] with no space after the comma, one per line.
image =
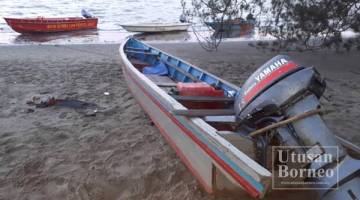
[63,153]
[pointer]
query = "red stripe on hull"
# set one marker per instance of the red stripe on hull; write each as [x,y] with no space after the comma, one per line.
[248,187]
[173,144]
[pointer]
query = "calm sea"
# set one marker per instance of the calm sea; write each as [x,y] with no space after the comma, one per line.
[111,14]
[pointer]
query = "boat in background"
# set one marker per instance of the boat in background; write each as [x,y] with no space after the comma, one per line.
[51,25]
[156,27]
[236,25]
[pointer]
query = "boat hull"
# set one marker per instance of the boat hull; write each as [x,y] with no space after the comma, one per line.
[218,159]
[243,27]
[191,138]
[51,25]
[154,28]
[185,148]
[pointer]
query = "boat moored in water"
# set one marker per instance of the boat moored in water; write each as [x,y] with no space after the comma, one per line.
[156,27]
[51,25]
[236,25]
[224,133]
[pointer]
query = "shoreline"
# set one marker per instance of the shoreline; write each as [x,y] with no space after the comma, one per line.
[113,36]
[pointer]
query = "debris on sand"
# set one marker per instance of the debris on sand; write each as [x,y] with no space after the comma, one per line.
[42,101]
[90,109]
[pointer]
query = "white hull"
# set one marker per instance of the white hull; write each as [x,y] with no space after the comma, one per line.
[207,155]
[156,27]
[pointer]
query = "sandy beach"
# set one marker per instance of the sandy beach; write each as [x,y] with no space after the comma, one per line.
[117,152]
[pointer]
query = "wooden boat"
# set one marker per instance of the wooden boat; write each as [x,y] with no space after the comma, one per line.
[51,25]
[156,27]
[219,159]
[238,24]
[195,112]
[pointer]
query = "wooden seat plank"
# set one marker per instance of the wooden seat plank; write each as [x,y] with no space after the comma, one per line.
[223,119]
[141,52]
[203,112]
[161,81]
[135,49]
[181,70]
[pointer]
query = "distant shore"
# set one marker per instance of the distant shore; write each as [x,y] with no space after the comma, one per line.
[62,153]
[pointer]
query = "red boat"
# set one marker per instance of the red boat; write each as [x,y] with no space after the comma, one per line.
[51,25]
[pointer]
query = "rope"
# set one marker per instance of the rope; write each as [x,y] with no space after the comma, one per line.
[289,120]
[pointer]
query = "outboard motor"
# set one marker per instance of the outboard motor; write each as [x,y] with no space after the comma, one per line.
[183,18]
[282,89]
[86,14]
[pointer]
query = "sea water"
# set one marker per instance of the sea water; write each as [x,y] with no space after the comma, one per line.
[111,13]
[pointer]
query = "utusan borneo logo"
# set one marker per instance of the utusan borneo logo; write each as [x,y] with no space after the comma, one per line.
[294,168]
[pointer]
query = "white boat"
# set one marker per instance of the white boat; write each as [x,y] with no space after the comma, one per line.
[156,27]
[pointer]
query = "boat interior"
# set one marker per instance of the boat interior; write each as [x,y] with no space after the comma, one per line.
[186,84]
